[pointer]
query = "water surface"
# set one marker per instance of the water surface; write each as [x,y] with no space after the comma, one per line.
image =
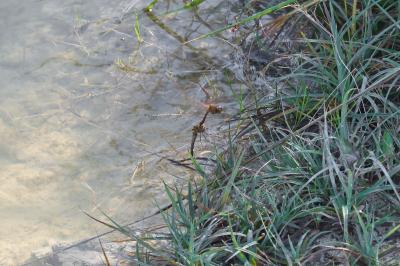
[82,105]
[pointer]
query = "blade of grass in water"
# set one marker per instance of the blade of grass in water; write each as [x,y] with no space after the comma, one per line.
[188,6]
[150,7]
[167,29]
[248,19]
[107,261]
[137,29]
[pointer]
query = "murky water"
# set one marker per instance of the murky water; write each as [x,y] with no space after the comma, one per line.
[82,104]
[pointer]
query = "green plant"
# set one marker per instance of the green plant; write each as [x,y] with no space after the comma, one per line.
[313,169]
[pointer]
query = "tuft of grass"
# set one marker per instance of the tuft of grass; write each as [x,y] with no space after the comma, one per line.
[311,174]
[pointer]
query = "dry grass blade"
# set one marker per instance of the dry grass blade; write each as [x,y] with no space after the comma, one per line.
[107,261]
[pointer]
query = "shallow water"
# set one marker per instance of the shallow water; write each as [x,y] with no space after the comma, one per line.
[76,121]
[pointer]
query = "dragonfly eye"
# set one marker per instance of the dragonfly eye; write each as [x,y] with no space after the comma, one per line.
[213,109]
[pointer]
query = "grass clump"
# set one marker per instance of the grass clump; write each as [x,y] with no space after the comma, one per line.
[310,174]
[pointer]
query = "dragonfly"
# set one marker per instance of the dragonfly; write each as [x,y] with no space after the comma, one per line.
[196,130]
[212,108]
[199,128]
